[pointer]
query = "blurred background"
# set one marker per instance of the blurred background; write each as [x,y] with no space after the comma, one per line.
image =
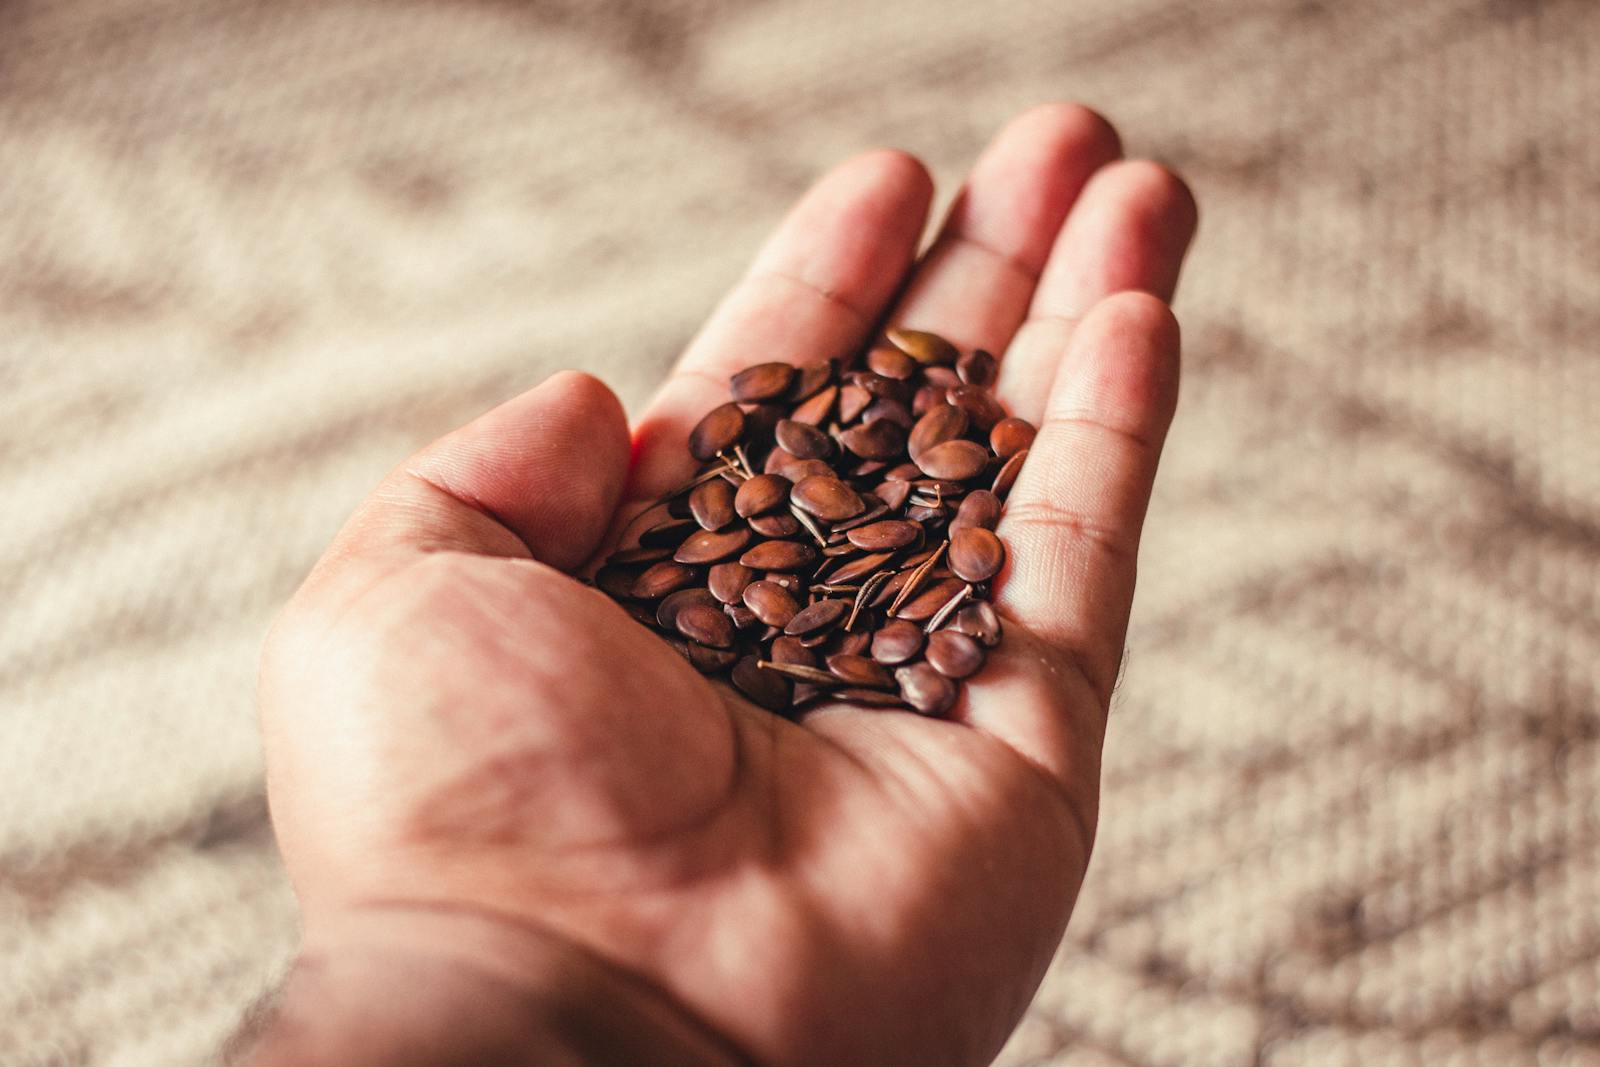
[252,254]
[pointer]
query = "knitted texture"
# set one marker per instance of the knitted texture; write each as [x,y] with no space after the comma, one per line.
[253,254]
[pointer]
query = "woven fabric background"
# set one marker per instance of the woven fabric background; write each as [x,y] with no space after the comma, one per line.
[251,254]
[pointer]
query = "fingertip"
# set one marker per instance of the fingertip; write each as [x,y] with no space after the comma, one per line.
[1123,365]
[1067,122]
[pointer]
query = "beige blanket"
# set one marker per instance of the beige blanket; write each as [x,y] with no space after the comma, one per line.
[251,254]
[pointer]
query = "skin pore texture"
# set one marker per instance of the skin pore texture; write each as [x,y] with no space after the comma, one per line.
[523,830]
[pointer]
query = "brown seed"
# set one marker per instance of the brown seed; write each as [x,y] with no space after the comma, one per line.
[859,567]
[771,603]
[922,346]
[809,379]
[711,504]
[977,368]
[742,617]
[792,582]
[705,624]
[979,404]
[720,429]
[875,510]
[897,642]
[800,672]
[803,441]
[890,533]
[976,554]
[764,381]
[954,654]
[891,589]
[943,377]
[894,494]
[778,556]
[640,613]
[777,460]
[827,498]
[768,689]
[1011,436]
[924,604]
[805,468]
[882,388]
[891,363]
[642,554]
[955,460]
[978,621]
[928,397]
[853,400]
[859,670]
[790,651]
[709,660]
[815,410]
[759,420]
[781,524]
[727,581]
[761,494]
[979,508]
[892,410]
[925,689]
[1008,474]
[881,439]
[616,582]
[662,578]
[709,546]
[668,532]
[848,644]
[942,423]
[819,617]
[672,603]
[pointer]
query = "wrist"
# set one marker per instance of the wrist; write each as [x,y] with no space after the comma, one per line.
[408,986]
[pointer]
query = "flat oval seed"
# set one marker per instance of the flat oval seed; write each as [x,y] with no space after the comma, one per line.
[809,379]
[818,618]
[925,689]
[954,654]
[848,644]
[880,439]
[860,568]
[897,642]
[978,508]
[922,346]
[894,494]
[671,604]
[705,624]
[892,410]
[890,533]
[803,441]
[669,532]
[815,411]
[853,400]
[781,524]
[859,670]
[979,622]
[926,604]
[642,554]
[616,582]
[977,368]
[983,409]
[742,616]
[790,652]
[662,578]
[728,580]
[942,423]
[768,689]
[711,504]
[720,429]
[764,381]
[955,460]
[976,554]
[772,603]
[760,494]
[708,660]
[1008,474]
[827,498]
[778,556]
[709,546]
[1011,436]
[890,362]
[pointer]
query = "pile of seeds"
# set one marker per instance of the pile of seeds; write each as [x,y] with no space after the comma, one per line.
[838,543]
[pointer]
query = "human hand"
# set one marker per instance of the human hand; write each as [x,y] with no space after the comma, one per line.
[520,825]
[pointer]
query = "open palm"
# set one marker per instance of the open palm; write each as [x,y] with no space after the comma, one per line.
[457,727]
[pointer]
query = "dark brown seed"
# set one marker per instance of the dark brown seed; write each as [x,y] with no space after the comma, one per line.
[891,363]
[978,621]
[897,642]
[853,400]
[795,584]
[875,510]
[979,404]
[955,460]
[719,430]
[641,614]
[922,346]
[789,650]
[672,603]
[778,556]
[803,441]
[815,411]
[894,494]
[771,603]
[892,410]
[819,617]
[711,504]
[776,461]
[668,532]
[727,581]
[848,644]
[764,381]
[954,654]
[860,567]
[809,379]
[614,581]
[742,616]
[1011,436]
[761,494]
[902,472]
[942,423]
[943,377]
[800,672]
[977,368]
[768,689]
[662,578]
[705,624]
[892,587]
[759,420]
[859,670]
[925,689]
[872,698]
[805,468]
[708,660]
[925,513]
[709,546]
[979,508]
[976,554]
[890,533]
[927,398]
[827,498]
[924,604]
[1008,474]
[882,439]
[642,554]
[867,468]
[781,524]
